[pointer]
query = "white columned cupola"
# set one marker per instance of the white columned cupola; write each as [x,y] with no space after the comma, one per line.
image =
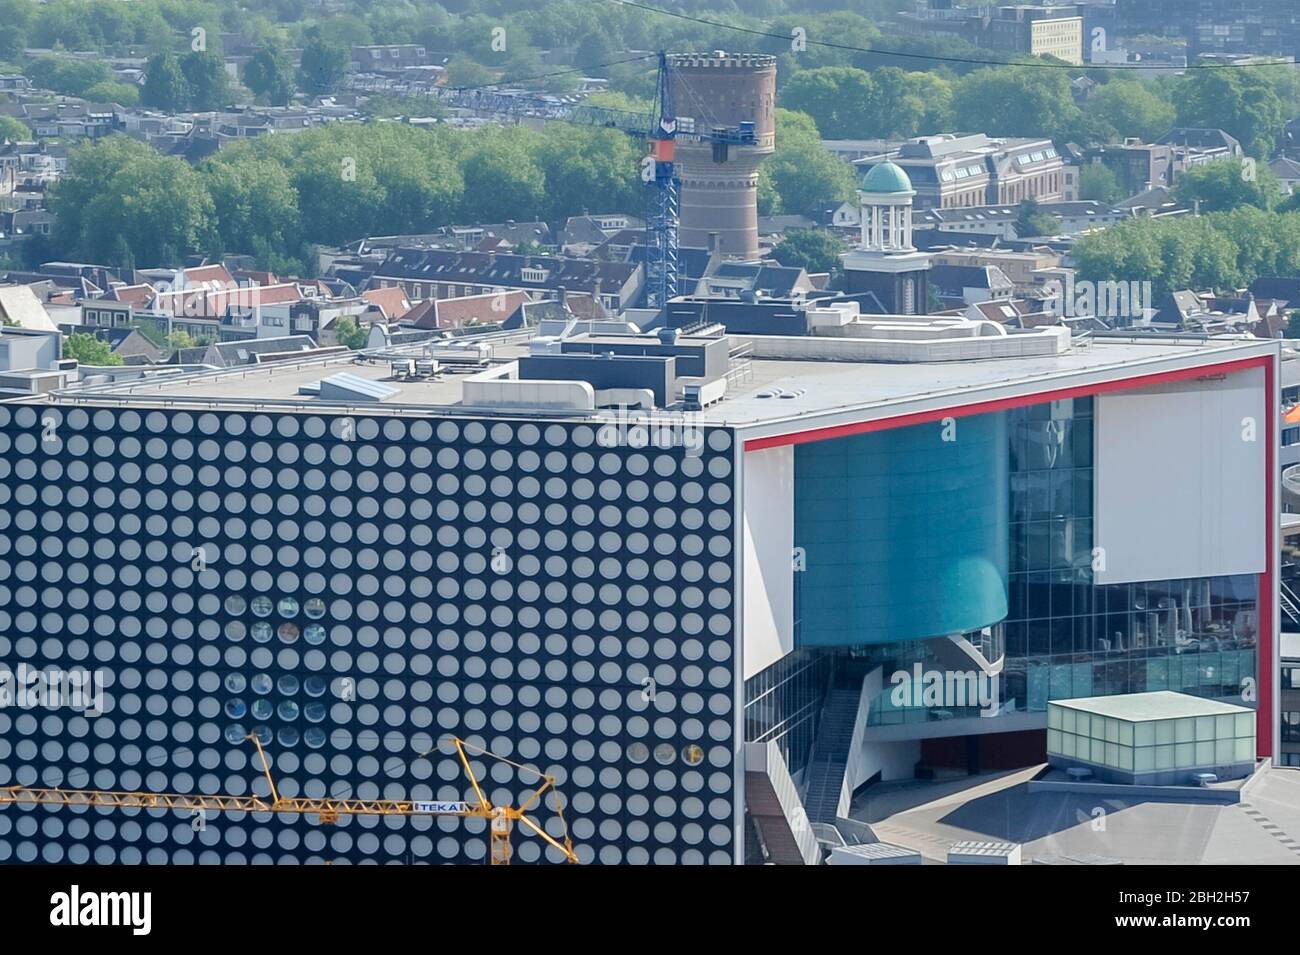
[886,204]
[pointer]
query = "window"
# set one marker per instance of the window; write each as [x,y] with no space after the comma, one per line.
[1291,727]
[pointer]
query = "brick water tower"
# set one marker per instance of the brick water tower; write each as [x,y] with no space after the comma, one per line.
[722,90]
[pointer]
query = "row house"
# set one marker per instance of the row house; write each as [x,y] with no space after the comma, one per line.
[442,273]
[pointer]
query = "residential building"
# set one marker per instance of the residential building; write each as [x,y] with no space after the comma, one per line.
[1075,218]
[1018,267]
[959,170]
[19,306]
[1137,166]
[1216,26]
[1030,29]
[751,280]
[467,310]
[1287,172]
[442,273]
[1036,30]
[960,285]
[1195,146]
[387,57]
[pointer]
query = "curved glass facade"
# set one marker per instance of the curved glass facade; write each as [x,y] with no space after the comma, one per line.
[1063,635]
[904,532]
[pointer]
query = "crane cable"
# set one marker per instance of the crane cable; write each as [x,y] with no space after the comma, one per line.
[938,58]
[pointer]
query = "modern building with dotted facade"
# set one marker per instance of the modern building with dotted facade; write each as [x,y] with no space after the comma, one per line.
[668,569]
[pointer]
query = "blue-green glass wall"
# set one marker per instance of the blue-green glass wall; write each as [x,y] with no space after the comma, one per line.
[904,533]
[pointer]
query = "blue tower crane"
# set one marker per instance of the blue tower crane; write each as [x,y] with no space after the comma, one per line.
[660,127]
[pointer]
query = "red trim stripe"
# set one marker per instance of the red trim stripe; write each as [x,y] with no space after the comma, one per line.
[1268,673]
[1002,404]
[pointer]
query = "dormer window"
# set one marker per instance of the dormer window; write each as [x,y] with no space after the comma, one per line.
[533,275]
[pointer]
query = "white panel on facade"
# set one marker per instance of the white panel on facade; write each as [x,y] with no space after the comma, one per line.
[1179,480]
[769,550]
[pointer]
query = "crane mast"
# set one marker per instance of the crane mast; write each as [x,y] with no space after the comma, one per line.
[661,128]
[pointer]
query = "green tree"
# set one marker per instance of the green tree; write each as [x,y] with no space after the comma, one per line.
[14,130]
[89,350]
[324,64]
[462,71]
[350,334]
[165,86]
[813,249]
[1032,221]
[1098,181]
[17,17]
[205,77]
[269,75]
[802,175]
[1224,185]
[587,170]
[119,191]
[1016,101]
[91,167]
[594,50]
[502,177]
[841,100]
[70,77]
[1123,108]
[1241,102]
[846,29]
[913,103]
[1222,250]
[178,340]
[254,203]
[123,94]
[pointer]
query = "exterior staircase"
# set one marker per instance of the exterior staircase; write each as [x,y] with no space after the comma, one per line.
[825,774]
[777,844]
[1290,604]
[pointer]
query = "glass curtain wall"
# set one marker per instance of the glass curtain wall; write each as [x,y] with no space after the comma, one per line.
[1067,637]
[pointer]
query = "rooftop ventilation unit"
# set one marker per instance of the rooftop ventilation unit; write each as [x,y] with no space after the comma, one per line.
[348,387]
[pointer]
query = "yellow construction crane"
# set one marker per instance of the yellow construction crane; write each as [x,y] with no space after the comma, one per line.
[501,819]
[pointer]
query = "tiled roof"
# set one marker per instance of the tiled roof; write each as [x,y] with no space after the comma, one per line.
[392,301]
[136,295]
[464,310]
[495,269]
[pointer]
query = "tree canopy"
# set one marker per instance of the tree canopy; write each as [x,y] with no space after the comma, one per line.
[89,350]
[1223,250]
[813,249]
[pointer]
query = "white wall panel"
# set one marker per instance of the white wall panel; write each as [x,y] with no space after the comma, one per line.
[1179,480]
[768,486]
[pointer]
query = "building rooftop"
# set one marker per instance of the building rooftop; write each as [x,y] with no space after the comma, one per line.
[777,384]
[931,817]
[1159,705]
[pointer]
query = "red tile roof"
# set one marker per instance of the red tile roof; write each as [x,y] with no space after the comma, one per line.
[209,273]
[488,308]
[137,295]
[392,301]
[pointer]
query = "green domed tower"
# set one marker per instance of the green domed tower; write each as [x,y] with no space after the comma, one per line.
[885,263]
